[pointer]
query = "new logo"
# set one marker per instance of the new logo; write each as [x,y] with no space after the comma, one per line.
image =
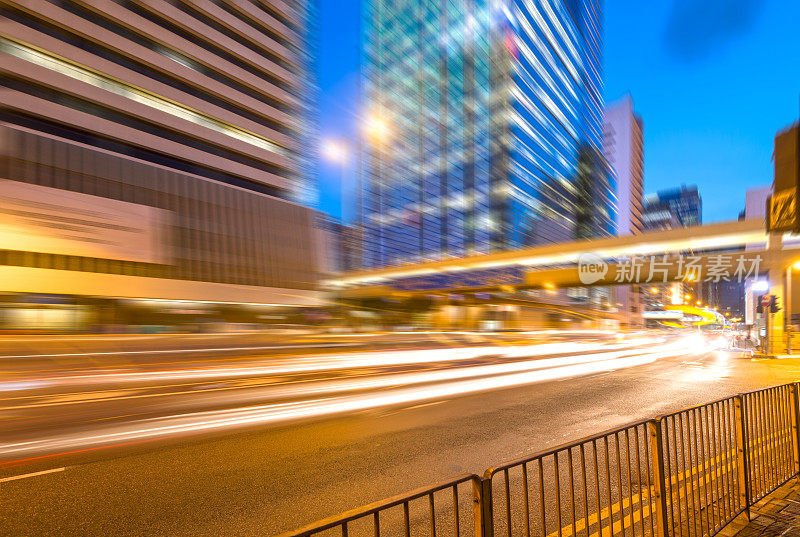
[591,268]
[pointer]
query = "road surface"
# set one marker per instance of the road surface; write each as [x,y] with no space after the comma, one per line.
[227,439]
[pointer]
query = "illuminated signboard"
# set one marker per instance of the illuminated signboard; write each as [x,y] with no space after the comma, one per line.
[36,218]
[463,280]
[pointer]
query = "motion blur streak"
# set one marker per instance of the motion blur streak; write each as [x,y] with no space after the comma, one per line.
[383,381]
[342,361]
[398,389]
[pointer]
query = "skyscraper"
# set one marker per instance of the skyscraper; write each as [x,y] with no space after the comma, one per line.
[484,127]
[157,150]
[676,207]
[623,148]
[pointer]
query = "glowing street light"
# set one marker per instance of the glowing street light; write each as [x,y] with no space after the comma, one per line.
[377,129]
[760,285]
[334,151]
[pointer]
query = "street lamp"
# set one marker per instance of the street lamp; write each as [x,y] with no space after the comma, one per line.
[335,151]
[377,129]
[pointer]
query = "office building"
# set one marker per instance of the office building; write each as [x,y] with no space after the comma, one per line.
[483,126]
[154,150]
[623,148]
[673,208]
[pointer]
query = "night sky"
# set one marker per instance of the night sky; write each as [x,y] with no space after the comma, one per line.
[712,79]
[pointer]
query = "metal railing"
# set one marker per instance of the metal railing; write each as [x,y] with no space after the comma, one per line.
[703,487]
[599,484]
[685,474]
[442,509]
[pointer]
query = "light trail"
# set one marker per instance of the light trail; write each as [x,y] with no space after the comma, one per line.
[331,362]
[439,387]
[341,385]
[175,351]
[548,332]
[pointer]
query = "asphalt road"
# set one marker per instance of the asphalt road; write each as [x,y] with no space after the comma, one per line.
[264,475]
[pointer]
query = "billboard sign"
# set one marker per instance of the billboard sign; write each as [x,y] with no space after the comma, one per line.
[41,219]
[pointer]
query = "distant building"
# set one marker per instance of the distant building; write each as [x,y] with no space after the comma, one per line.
[665,210]
[755,201]
[674,208]
[755,207]
[729,298]
[623,148]
[658,218]
[487,124]
[329,244]
[337,245]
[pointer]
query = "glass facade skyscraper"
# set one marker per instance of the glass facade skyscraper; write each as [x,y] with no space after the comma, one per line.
[676,207]
[490,116]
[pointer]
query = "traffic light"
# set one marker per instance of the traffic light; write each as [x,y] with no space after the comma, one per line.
[759,307]
[773,304]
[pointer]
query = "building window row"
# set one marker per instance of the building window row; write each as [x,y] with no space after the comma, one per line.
[135,94]
[111,55]
[214,49]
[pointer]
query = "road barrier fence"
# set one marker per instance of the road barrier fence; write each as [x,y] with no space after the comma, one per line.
[684,474]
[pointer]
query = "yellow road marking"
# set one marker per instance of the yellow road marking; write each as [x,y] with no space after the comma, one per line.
[33,474]
[682,492]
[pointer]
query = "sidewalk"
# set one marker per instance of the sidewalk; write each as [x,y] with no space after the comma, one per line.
[776,515]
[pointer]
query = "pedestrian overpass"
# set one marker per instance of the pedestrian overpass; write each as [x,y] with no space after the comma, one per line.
[727,250]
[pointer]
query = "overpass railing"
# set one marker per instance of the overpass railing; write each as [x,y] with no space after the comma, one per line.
[685,474]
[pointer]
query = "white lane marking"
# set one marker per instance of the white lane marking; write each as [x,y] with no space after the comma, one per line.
[34,474]
[173,351]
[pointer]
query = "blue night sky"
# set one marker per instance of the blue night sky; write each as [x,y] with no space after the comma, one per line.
[712,79]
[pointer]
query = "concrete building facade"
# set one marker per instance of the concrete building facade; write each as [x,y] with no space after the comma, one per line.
[178,126]
[623,148]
